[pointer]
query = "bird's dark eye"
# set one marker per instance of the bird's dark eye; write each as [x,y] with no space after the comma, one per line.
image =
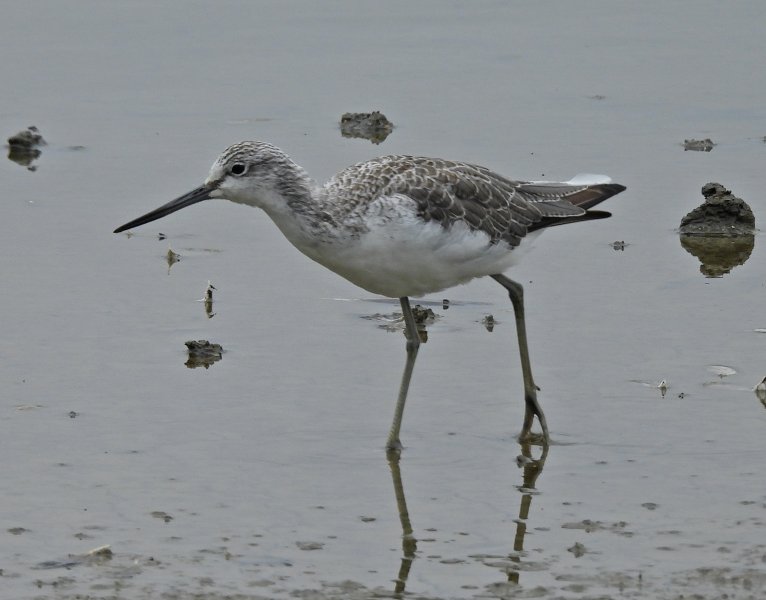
[237,169]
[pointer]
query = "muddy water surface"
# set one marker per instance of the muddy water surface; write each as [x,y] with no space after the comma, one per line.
[264,474]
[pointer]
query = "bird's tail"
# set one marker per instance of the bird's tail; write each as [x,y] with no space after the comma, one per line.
[580,193]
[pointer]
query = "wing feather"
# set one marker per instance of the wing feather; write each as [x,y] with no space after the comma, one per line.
[448,192]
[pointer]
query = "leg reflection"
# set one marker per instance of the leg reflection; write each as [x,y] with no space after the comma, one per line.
[409,543]
[531,468]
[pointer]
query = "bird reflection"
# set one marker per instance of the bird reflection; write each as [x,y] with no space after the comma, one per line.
[531,470]
[409,543]
[531,467]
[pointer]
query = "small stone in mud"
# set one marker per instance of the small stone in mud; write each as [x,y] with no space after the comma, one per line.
[17,530]
[372,126]
[161,514]
[202,353]
[207,299]
[203,347]
[172,257]
[578,549]
[590,526]
[101,552]
[705,145]
[721,214]
[423,316]
[309,545]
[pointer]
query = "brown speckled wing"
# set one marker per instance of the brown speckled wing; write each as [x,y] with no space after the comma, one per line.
[447,192]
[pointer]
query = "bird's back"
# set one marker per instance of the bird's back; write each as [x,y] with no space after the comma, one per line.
[449,192]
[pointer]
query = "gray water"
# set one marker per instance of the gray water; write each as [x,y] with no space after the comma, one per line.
[265,475]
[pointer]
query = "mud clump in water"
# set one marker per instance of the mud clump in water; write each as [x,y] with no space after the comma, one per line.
[203,354]
[722,213]
[24,147]
[423,315]
[719,232]
[578,549]
[705,145]
[372,126]
[27,138]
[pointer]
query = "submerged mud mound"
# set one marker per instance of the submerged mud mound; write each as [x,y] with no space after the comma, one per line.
[720,232]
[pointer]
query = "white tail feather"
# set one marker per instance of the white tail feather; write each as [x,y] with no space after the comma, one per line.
[588,179]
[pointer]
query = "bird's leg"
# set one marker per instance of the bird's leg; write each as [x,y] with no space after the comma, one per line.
[532,406]
[413,343]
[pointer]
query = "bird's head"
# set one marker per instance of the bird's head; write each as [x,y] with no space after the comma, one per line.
[252,173]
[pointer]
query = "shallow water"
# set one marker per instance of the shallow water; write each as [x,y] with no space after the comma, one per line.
[264,475]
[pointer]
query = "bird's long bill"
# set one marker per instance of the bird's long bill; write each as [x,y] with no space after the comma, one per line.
[198,195]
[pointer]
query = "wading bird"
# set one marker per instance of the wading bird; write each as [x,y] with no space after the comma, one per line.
[402,226]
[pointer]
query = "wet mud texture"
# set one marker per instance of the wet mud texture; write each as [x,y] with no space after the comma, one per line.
[722,213]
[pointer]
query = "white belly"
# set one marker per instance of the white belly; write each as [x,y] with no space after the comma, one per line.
[410,257]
